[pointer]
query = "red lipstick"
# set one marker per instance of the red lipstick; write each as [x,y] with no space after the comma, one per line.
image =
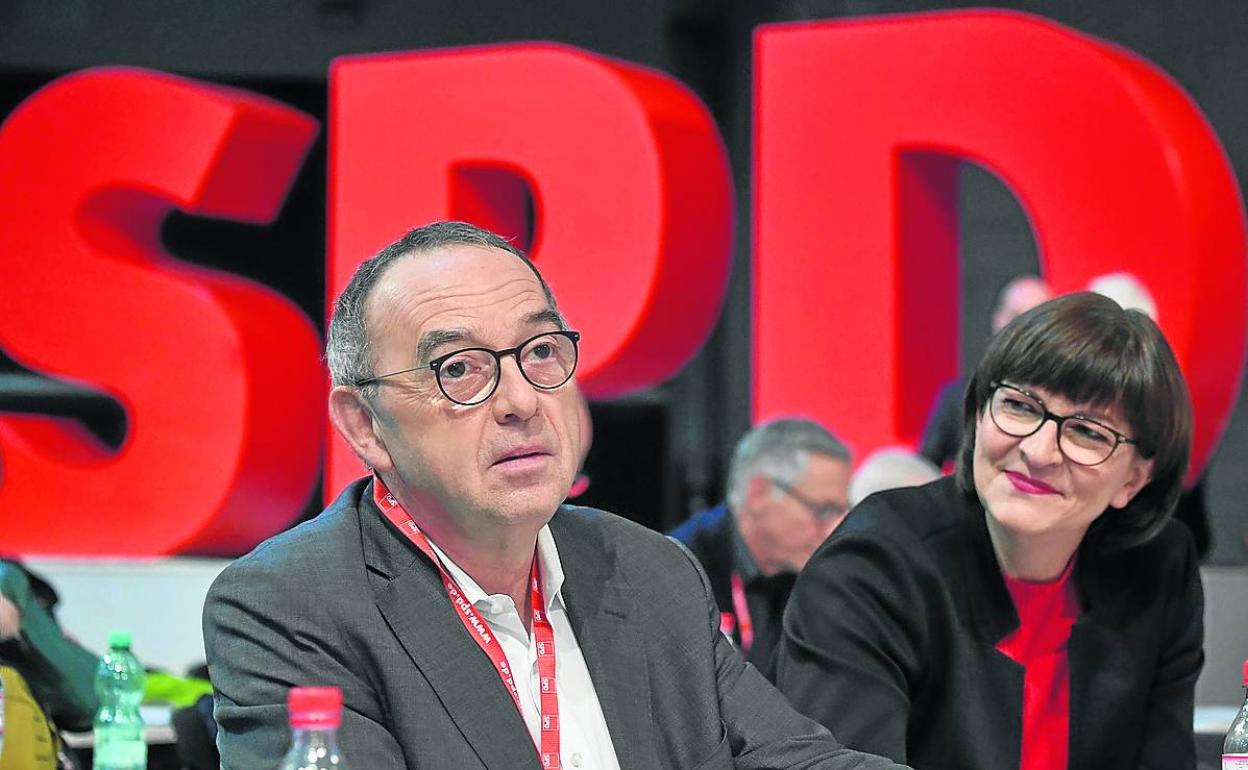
[1027,485]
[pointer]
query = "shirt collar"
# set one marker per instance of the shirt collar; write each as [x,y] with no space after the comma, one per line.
[548,565]
[742,560]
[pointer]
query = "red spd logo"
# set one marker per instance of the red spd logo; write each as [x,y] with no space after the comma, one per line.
[628,210]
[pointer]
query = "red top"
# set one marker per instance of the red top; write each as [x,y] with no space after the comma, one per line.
[1046,611]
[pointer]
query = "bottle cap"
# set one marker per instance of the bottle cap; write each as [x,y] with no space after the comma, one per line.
[315,708]
[1246,673]
[119,639]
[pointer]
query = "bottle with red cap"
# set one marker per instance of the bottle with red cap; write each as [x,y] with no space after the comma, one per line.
[315,715]
[1235,749]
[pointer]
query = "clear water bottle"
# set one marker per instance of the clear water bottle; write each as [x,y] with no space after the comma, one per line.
[1235,749]
[315,715]
[119,733]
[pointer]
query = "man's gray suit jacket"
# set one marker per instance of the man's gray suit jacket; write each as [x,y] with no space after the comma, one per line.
[344,600]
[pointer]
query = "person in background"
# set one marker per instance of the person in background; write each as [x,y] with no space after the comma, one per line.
[48,678]
[61,673]
[1039,610]
[787,490]
[890,468]
[1127,290]
[942,435]
[1192,509]
[438,592]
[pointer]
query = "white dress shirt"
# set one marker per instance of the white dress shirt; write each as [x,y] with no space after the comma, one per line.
[584,741]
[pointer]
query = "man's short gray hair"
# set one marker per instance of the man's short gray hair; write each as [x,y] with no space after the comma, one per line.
[347,344]
[779,450]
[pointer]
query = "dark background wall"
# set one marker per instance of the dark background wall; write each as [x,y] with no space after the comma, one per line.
[284,48]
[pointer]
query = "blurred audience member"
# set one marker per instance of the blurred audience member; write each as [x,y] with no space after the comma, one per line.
[48,679]
[1131,293]
[1017,297]
[943,434]
[787,490]
[890,468]
[1127,290]
[10,619]
[61,673]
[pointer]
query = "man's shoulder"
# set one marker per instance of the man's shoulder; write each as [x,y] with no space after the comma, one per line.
[310,551]
[633,547]
[584,521]
[662,579]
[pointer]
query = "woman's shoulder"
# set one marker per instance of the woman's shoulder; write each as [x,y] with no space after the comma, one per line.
[913,538]
[1161,572]
[1168,556]
[901,556]
[912,514]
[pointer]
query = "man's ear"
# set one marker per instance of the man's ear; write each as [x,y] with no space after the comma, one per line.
[355,421]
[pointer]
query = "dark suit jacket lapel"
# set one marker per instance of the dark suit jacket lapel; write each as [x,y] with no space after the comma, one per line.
[607,626]
[980,590]
[413,601]
[1104,661]
[991,608]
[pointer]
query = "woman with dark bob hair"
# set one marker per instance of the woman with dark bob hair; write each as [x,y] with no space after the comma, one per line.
[1039,610]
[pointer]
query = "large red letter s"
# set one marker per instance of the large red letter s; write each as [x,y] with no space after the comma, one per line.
[613,176]
[861,126]
[218,376]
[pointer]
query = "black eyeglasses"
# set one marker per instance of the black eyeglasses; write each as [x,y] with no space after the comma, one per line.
[1082,440]
[820,511]
[471,375]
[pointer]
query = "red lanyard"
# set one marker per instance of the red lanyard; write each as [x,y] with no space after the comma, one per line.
[742,609]
[543,632]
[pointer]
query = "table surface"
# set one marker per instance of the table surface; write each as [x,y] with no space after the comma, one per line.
[1214,720]
[157,717]
[1208,720]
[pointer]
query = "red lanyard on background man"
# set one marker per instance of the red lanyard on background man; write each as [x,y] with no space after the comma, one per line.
[742,608]
[543,632]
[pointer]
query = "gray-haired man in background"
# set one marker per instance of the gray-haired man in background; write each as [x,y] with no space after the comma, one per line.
[787,490]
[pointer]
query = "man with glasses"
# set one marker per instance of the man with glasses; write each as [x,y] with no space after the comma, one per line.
[470,620]
[788,488]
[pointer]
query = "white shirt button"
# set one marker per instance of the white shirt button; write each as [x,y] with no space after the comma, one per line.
[576,759]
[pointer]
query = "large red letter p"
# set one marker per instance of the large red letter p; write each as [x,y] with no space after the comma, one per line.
[612,176]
